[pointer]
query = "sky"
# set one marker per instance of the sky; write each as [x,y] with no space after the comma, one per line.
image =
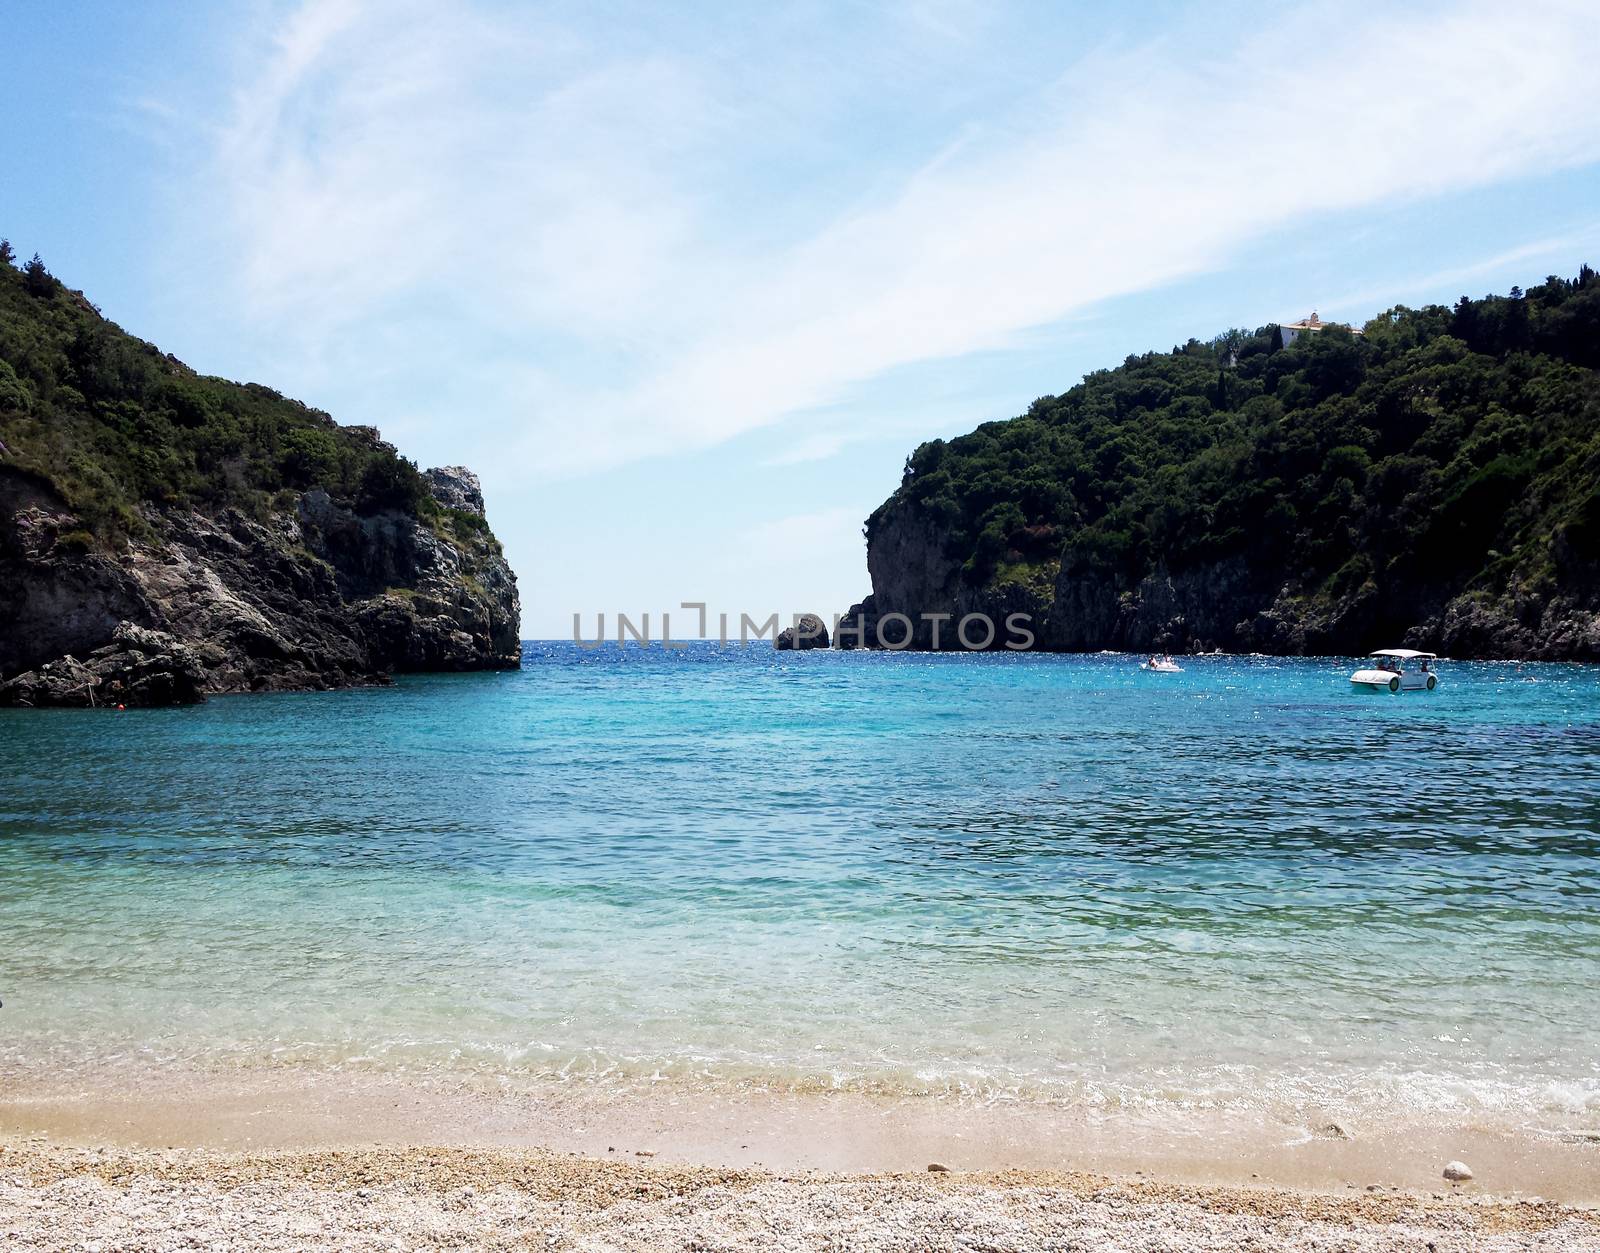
[686,284]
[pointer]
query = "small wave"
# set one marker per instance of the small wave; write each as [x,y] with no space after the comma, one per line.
[1495,1094]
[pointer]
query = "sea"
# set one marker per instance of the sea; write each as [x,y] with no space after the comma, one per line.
[970,877]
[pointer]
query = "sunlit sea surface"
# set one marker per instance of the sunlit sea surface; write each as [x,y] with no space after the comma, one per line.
[982,877]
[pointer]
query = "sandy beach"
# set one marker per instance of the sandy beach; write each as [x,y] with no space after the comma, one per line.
[290,1159]
[754,1126]
[441,1198]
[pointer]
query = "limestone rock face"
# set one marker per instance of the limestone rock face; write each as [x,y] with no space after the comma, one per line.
[456,487]
[812,633]
[311,597]
[138,667]
[858,627]
[1227,604]
[914,575]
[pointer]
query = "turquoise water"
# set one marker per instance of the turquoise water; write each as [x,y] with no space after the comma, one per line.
[1050,878]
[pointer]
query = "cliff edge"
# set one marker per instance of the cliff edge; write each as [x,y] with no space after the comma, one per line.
[165,536]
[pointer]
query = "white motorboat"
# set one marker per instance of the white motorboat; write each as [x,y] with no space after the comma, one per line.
[1162,665]
[1400,670]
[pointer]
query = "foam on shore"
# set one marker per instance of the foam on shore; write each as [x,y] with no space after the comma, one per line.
[747,1127]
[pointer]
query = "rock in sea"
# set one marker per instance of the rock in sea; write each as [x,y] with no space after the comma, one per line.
[1457,1172]
[809,631]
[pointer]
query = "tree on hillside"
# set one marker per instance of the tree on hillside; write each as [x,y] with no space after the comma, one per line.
[37,280]
[7,256]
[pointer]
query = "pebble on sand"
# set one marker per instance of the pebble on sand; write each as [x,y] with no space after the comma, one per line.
[267,1202]
[1456,1172]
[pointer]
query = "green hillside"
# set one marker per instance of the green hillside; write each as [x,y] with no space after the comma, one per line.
[1443,451]
[112,424]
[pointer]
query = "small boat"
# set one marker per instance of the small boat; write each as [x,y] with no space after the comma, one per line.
[1399,670]
[1162,665]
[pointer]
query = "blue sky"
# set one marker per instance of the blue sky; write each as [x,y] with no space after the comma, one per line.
[685,285]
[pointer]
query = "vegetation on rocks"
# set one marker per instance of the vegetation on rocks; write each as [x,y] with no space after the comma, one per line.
[112,423]
[1358,482]
[166,535]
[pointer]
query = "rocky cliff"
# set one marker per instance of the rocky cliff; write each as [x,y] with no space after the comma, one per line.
[1433,482]
[164,536]
[313,597]
[1226,606]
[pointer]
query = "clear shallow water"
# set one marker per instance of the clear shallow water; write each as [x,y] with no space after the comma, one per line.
[1001,876]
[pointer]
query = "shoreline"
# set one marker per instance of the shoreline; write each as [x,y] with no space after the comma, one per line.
[126,1108]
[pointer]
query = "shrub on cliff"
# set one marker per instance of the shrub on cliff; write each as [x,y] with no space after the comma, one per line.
[13,395]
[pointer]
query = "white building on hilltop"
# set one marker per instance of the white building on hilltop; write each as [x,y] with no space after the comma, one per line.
[1293,330]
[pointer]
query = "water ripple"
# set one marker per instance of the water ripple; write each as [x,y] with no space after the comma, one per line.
[1056,877]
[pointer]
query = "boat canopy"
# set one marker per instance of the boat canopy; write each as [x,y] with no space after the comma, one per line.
[1403,654]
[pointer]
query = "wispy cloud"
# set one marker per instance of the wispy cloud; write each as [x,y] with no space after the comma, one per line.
[801,534]
[667,244]
[823,446]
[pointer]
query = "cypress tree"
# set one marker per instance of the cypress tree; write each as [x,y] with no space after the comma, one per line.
[37,280]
